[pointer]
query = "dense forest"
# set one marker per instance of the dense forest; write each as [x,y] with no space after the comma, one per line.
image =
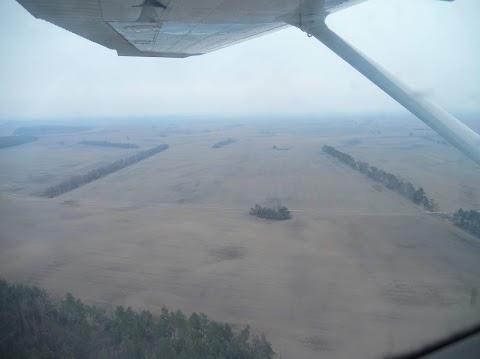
[97,173]
[34,326]
[280,213]
[391,181]
[468,220]
[109,144]
[49,130]
[10,141]
[220,144]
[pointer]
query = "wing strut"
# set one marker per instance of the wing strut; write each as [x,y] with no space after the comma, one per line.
[446,125]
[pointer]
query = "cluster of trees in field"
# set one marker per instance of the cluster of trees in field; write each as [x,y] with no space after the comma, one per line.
[391,181]
[109,144]
[49,130]
[278,213]
[97,173]
[220,144]
[277,148]
[10,141]
[34,326]
[468,220]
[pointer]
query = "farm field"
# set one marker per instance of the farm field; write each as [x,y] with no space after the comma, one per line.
[359,271]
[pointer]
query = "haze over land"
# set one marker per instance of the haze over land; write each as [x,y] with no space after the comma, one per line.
[359,271]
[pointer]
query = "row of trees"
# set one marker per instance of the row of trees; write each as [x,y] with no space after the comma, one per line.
[279,213]
[10,141]
[34,326]
[49,130]
[391,181]
[97,173]
[220,144]
[109,144]
[468,220]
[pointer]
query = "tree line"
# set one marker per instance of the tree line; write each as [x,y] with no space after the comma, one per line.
[468,220]
[280,213]
[97,173]
[109,144]
[391,181]
[34,326]
[10,141]
[220,144]
[49,130]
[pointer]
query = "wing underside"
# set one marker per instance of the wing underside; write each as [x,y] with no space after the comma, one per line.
[173,28]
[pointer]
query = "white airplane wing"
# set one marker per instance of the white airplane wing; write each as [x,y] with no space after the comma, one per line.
[172,28]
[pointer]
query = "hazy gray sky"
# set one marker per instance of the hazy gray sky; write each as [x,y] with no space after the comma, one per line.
[433,46]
